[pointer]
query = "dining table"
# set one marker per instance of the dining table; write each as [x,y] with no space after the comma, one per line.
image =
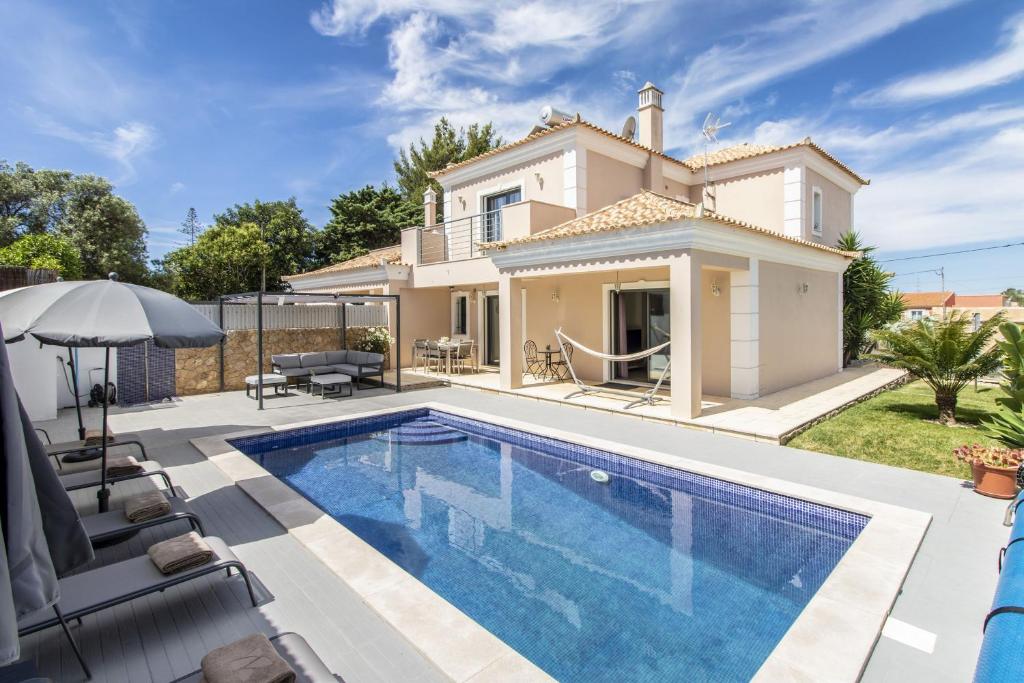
[549,368]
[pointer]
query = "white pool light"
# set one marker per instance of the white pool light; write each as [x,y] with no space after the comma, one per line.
[599,476]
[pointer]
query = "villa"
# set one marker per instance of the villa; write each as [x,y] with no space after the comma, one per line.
[622,246]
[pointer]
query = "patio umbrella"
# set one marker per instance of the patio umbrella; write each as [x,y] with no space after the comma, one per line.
[104,314]
[42,535]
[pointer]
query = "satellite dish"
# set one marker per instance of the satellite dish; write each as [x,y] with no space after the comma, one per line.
[629,128]
[712,124]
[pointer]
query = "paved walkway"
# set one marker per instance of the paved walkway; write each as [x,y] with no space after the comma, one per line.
[934,635]
[773,418]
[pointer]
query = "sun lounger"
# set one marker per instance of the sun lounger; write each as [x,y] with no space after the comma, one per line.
[78,448]
[97,589]
[106,525]
[91,478]
[297,653]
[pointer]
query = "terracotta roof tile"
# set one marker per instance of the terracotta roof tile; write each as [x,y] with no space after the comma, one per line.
[927,299]
[643,209]
[389,255]
[693,163]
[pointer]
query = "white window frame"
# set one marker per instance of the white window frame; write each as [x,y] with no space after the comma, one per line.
[916,314]
[454,315]
[817,195]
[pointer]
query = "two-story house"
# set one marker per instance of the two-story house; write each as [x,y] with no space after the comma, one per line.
[624,247]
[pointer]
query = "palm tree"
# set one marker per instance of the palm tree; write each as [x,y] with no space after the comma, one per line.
[946,354]
[868,303]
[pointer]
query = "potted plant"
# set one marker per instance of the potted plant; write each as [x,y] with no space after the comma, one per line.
[994,469]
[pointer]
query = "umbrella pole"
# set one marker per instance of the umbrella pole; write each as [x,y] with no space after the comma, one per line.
[74,384]
[103,495]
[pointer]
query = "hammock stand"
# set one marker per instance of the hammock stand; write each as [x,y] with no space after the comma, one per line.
[649,397]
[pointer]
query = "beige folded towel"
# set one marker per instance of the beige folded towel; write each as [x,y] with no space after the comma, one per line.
[122,466]
[94,437]
[252,659]
[146,506]
[180,553]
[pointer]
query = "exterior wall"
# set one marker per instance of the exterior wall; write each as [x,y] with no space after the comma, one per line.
[755,198]
[548,188]
[528,217]
[610,180]
[835,209]
[426,314]
[716,370]
[678,190]
[454,273]
[579,311]
[799,332]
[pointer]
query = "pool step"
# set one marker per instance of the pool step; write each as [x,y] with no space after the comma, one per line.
[424,432]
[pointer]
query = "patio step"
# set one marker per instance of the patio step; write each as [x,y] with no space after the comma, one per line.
[422,432]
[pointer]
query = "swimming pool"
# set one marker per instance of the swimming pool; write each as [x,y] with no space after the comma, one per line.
[656,574]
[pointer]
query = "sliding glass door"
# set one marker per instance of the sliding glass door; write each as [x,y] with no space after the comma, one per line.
[640,321]
[491,338]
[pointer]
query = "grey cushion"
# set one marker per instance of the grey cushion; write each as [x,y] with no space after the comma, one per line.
[312,360]
[336,357]
[347,369]
[377,358]
[356,357]
[294,372]
[320,369]
[286,360]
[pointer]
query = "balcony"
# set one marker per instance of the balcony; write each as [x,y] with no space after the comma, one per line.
[457,239]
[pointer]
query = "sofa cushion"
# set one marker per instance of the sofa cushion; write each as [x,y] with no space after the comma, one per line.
[336,357]
[286,361]
[312,360]
[293,372]
[377,358]
[347,369]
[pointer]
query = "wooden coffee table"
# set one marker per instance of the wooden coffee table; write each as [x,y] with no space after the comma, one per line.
[332,381]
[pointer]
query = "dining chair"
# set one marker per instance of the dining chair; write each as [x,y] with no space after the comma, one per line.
[561,366]
[419,352]
[534,365]
[433,355]
[462,353]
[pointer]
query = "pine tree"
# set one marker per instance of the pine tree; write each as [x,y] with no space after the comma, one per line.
[191,227]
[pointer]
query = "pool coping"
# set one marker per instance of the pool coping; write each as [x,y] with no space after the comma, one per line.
[832,638]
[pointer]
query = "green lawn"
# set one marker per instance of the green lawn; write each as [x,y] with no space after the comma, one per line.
[898,428]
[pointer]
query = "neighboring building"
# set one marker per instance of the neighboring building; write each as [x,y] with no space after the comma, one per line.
[980,307]
[918,305]
[620,245]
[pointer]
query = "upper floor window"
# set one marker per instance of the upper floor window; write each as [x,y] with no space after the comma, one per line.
[492,212]
[916,314]
[816,209]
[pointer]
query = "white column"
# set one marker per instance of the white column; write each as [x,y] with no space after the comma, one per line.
[510,326]
[574,179]
[839,320]
[745,344]
[793,201]
[684,298]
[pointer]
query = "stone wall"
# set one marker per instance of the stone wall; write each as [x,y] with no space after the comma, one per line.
[197,371]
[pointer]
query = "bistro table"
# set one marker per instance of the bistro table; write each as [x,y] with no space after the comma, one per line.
[549,370]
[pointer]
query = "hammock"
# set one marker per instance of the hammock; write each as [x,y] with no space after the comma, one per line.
[649,397]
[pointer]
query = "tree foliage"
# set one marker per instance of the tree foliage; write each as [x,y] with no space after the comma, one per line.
[1008,424]
[1014,295]
[946,354]
[44,251]
[362,220]
[230,255]
[868,303]
[105,229]
[191,227]
[225,259]
[448,146]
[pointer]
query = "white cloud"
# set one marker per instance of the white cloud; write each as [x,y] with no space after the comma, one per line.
[470,61]
[963,194]
[816,32]
[176,187]
[125,144]
[1002,67]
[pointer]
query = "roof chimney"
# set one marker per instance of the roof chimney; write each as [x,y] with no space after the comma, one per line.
[651,115]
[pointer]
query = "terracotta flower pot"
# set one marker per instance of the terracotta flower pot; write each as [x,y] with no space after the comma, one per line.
[995,482]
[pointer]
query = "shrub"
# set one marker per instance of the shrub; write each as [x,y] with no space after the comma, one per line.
[376,340]
[44,251]
[1008,424]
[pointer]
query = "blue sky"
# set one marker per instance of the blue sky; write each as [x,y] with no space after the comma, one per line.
[206,104]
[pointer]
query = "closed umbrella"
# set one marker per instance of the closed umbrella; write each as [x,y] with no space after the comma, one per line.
[42,537]
[105,314]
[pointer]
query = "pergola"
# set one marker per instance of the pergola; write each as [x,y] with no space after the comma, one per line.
[282,298]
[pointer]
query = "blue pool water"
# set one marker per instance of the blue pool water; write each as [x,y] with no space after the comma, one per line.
[657,575]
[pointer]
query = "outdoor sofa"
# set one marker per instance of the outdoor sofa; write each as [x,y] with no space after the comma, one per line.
[299,367]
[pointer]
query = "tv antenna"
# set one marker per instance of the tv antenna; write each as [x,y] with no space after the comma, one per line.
[712,124]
